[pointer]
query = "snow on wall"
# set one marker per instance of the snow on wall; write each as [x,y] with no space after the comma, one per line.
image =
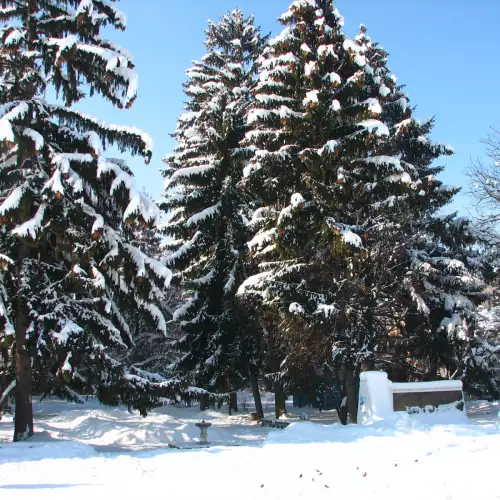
[375,397]
[435,386]
[376,394]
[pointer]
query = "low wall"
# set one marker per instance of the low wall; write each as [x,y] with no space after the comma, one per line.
[379,397]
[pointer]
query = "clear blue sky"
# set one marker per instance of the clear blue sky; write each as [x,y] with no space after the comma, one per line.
[447,53]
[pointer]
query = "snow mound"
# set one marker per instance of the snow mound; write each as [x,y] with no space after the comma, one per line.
[119,428]
[400,420]
[116,429]
[399,423]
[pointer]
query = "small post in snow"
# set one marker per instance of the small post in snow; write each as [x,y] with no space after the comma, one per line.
[203,426]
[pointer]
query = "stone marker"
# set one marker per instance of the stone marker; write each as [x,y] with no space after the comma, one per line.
[203,426]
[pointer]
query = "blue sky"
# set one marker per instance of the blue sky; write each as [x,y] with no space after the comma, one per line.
[446,52]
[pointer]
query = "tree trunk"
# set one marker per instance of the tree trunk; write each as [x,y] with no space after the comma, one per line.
[23,419]
[368,364]
[279,399]
[23,425]
[342,405]
[433,370]
[204,402]
[4,378]
[233,403]
[351,391]
[312,399]
[255,391]
[342,410]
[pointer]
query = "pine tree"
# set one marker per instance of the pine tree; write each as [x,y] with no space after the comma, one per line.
[68,212]
[208,204]
[446,279]
[481,362]
[346,180]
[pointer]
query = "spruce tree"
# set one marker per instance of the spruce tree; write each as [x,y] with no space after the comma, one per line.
[346,179]
[441,280]
[446,280]
[68,212]
[208,206]
[482,360]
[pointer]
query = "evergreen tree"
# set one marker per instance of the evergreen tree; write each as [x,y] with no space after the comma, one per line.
[481,363]
[208,206]
[68,212]
[445,279]
[347,183]
[450,334]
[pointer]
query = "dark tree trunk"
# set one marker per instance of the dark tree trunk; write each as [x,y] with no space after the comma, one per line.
[4,379]
[256,392]
[279,399]
[23,425]
[433,370]
[342,411]
[368,364]
[312,390]
[204,402]
[493,389]
[351,390]
[342,406]
[233,403]
[23,418]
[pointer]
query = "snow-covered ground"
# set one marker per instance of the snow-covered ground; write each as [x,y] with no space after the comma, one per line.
[82,451]
[116,430]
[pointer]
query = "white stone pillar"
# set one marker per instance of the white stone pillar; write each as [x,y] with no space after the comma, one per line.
[375,397]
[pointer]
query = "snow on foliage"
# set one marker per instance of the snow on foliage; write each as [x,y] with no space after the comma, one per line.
[352,238]
[375,126]
[297,200]
[31,227]
[363,247]
[384,91]
[68,211]
[311,98]
[206,197]
[296,308]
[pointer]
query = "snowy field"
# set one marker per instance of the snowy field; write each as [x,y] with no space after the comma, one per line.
[98,452]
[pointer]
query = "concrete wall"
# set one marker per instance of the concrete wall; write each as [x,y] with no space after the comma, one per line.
[379,397]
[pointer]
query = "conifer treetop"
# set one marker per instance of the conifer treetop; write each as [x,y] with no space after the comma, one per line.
[61,46]
[342,169]
[208,204]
